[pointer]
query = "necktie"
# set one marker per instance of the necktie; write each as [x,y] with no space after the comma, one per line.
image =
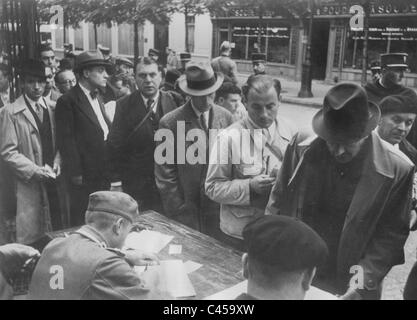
[154,115]
[94,94]
[39,111]
[203,122]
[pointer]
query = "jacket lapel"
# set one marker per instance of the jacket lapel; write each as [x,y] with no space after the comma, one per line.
[165,103]
[85,106]
[21,106]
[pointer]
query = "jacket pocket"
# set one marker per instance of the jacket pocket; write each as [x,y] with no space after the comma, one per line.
[241,211]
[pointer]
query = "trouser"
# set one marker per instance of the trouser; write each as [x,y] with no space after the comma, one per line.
[79,196]
[54,205]
[143,189]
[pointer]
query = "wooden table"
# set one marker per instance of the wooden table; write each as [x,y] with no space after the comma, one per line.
[221,264]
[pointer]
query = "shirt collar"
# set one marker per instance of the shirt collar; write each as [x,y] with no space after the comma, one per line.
[33,103]
[86,91]
[155,99]
[197,112]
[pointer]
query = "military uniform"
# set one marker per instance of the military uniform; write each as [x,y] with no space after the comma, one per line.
[90,271]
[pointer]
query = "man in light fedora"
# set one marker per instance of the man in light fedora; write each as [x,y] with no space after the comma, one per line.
[351,187]
[181,185]
[82,130]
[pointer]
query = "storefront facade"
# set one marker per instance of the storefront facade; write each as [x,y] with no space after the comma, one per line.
[337,50]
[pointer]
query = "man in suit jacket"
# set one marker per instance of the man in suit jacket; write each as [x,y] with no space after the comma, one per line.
[131,139]
[181,183]
[27,146]
[82,130]
[242,185]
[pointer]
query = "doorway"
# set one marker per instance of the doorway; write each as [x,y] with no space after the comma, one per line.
[319,46]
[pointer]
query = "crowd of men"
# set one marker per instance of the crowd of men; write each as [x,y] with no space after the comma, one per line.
[78,148]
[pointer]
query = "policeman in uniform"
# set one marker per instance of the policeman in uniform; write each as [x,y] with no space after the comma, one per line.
[393,66]
[259,63]
[89,264]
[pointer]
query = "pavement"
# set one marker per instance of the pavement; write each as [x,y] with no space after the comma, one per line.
[290,89]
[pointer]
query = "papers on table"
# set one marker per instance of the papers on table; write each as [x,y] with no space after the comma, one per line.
[147,241]
[192,266]
[175,249]
[170,277]
[231,293]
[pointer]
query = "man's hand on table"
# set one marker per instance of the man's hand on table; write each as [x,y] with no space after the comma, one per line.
[139,258]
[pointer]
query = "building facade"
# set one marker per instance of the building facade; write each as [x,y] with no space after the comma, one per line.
[337,49]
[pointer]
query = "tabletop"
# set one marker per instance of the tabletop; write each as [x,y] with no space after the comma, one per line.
[221,264]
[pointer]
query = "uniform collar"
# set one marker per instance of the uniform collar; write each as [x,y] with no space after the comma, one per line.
[93,234]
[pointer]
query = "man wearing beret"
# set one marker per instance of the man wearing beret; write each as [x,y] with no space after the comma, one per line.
[82,130]
[28,148]
[282,256]
[89,264]
[393,66]
[353,188]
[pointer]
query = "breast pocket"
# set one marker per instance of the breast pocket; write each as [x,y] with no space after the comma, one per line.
[250,170]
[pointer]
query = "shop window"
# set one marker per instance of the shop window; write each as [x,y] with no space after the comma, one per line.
[384,36]
[272,39]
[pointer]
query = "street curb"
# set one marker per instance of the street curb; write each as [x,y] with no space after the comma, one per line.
[301,102]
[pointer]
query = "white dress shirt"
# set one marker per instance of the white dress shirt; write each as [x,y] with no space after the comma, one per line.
[40,102]
[97,110]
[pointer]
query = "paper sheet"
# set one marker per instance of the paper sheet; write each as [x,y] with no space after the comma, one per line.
[147,241]
[231,293]
[170,277]
[175,249]
[191,266]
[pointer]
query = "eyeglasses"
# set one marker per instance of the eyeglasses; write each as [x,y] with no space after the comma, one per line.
[69,82]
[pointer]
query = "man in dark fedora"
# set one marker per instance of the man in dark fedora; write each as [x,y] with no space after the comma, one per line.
[393,66]
[181,185]
[82,130]
[259,63]
[131,141]
[28,149]
[351,187]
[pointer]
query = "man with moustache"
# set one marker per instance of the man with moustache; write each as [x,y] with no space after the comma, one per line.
[393,66]
[82,130]
[181,185]
[353,189]
[131,139]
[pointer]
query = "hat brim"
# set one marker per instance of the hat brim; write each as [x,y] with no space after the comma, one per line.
[182,83]
[320,128]
[109,67]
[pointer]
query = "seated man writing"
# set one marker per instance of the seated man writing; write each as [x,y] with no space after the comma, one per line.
[89,264]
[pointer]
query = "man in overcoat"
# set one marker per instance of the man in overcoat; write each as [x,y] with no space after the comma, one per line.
[27,146]
[353,188]
[181,183]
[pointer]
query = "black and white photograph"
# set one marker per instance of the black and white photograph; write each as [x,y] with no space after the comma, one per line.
[213,150]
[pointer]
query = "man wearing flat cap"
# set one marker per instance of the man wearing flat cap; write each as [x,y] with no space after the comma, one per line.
[89,263]
[82,130]
[28,149]
[351,187]
[181,184]
[154,54]
[393,66]
[282,256]
[259,63]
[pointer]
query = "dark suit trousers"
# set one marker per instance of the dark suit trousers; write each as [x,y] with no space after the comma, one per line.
[144,191]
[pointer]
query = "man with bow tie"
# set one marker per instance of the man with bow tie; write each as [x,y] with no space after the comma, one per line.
[27,147]
[82,130]
[131,139]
